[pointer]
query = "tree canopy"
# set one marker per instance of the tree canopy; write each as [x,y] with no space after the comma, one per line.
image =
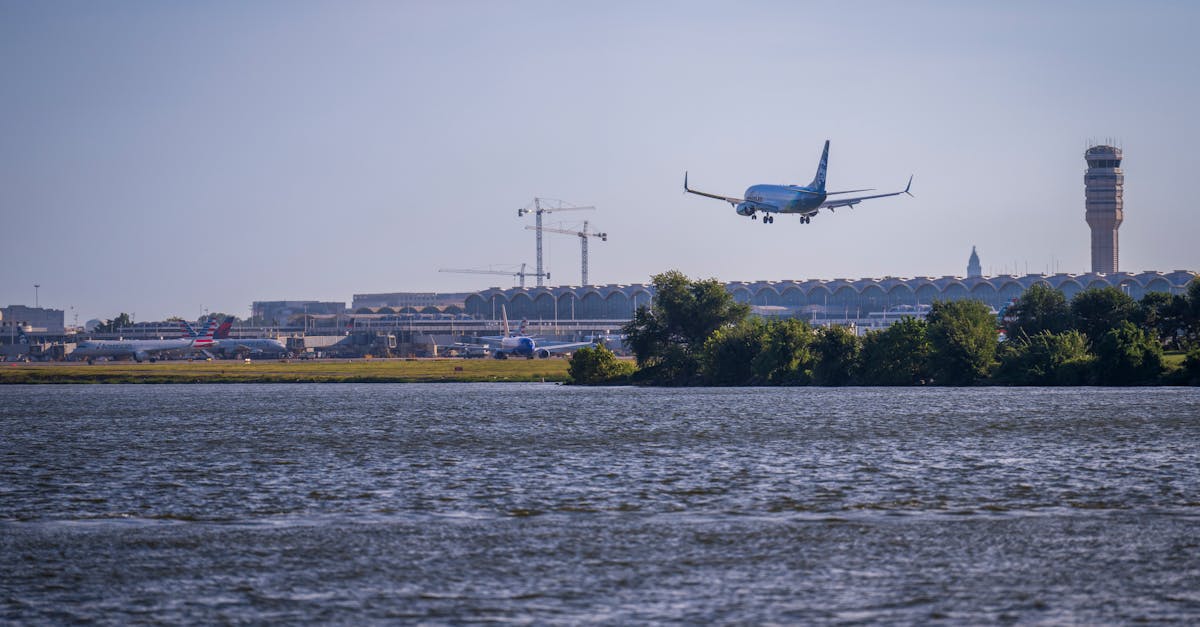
[122,320]
[1040,308]
[963,338]
[694,333]
[667,337]
[1097,310]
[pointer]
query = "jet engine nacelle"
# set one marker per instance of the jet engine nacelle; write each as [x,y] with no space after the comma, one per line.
[542,353]
[746,209]
[141,356]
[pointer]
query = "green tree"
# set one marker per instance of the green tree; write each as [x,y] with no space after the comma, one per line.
[667,337]
[1164,315]
[1040,308]
[1046,359]
[837,351]
[116,324]
[1192,312]
[962,337]
[218,315]
[1097,310]
[597,366]
[1127,355]
[786,357]
[1191,367]
[729,353]
[897,355]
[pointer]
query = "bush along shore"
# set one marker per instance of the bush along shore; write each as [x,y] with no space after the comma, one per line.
[317,371]
[693,333]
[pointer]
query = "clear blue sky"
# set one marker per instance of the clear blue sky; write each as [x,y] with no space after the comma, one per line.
[164,158]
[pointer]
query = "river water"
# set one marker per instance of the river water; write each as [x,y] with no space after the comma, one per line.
[546,504]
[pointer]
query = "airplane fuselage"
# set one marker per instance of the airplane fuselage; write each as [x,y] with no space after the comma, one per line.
[520,346]
[139,350]
[251,345]
[780,199]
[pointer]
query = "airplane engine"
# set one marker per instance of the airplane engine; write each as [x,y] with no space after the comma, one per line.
[745,209]
[141,356]
[543,353]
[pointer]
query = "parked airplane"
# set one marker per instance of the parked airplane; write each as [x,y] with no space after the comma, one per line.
[142,350]
[521,345]
[805,201]
[228,347]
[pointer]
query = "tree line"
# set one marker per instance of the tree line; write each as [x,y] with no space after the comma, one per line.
[695,333]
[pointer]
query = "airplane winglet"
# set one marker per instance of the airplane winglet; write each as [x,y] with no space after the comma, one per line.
[685,187]
[909,186]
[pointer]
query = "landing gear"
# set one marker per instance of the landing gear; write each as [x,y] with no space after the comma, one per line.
[805,219]
[768,219]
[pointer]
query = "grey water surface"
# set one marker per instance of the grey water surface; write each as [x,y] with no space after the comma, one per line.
[536,503]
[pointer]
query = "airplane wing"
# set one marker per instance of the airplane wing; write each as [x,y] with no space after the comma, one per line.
[729,199]
[850,202]
[559,347]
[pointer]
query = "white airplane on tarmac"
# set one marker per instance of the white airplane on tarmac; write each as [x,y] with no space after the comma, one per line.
[142,350]
[520,345]
[229,347]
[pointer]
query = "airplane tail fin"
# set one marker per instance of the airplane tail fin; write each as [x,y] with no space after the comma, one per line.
[206,339]
[222,332]
[504,321]
[818,182]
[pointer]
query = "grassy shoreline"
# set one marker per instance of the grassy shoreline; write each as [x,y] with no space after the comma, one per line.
[317,371]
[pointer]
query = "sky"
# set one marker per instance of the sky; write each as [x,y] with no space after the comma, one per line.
[171,158]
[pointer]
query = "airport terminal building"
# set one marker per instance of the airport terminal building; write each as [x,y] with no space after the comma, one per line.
[816,299]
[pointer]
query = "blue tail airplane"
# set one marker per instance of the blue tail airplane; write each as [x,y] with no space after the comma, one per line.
[805,201]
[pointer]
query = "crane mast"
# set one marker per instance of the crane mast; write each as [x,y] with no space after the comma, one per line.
[583,236]
[542,206]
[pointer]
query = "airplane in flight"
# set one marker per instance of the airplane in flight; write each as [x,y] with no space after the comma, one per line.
[229,347]
[521,345]
[805,200]
[143,350]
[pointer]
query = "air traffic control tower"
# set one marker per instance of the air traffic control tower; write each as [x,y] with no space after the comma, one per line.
[1103,185]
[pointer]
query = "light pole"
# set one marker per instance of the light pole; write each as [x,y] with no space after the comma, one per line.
[36,304]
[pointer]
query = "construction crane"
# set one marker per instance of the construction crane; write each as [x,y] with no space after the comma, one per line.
[519,273]
[539,207]
[583,243]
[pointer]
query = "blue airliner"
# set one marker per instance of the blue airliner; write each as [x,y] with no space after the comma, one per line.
[518,344]
[805,201]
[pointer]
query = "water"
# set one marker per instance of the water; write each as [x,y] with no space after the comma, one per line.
[549,504]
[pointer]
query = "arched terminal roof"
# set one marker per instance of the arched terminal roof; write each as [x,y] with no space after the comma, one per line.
[619,301]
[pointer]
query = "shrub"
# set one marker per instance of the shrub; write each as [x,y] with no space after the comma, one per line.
[597,366]
[1127,355]
[963,340]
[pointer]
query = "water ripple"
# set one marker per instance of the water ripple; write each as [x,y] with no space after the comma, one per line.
[454,503]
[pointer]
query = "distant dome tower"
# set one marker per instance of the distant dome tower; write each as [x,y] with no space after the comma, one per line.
[1103,185]
[973,267]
